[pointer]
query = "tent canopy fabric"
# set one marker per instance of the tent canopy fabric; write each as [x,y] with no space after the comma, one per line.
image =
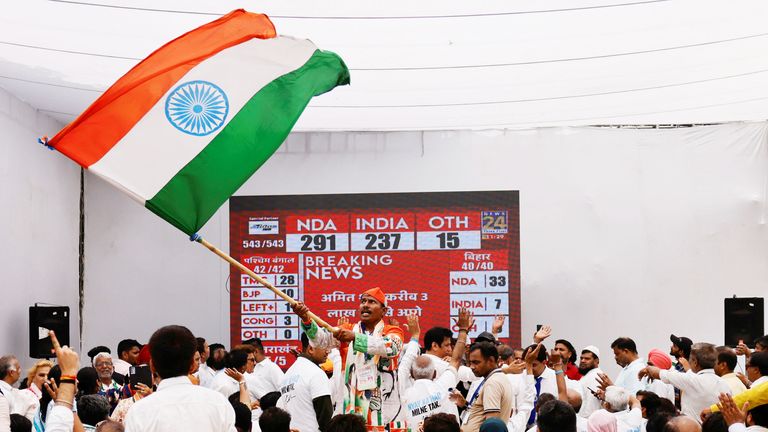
[433,65]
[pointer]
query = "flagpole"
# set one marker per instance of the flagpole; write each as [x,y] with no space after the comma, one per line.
[260,280]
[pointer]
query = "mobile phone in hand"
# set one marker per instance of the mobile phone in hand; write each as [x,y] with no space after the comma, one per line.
[140,374]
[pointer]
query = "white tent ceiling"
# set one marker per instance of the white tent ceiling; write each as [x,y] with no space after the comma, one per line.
[434,64]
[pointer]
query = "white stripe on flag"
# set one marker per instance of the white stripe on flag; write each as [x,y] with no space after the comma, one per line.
[153,151]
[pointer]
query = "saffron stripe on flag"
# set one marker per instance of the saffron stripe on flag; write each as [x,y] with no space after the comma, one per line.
[88,138]
[154,151]
[192,196]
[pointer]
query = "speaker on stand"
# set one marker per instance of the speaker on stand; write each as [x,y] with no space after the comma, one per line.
[744,320]
[41,320]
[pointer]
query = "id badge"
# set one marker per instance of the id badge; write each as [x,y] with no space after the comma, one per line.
[463,417]
[366,376]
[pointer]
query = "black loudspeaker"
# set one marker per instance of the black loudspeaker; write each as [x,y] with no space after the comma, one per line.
[42,319]
[744,319]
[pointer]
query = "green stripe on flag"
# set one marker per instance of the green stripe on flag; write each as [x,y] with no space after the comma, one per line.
[194,194]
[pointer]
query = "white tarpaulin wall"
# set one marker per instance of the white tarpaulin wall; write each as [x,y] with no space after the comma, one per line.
[433,64]
[623,232]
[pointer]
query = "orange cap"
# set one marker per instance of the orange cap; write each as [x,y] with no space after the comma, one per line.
[378,294]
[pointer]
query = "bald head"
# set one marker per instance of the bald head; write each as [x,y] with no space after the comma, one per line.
[574,398]
[423,368]
[682,424]
[110,426]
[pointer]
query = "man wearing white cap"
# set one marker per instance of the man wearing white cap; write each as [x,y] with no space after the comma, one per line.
[588,367]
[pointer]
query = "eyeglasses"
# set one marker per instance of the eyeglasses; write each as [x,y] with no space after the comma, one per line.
[104,364]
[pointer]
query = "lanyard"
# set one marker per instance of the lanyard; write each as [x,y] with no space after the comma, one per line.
[477,390]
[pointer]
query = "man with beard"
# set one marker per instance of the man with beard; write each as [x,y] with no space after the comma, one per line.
[680,350]
[369,354]
[589,363]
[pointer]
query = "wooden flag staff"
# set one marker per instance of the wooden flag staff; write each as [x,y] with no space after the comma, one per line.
[259,279]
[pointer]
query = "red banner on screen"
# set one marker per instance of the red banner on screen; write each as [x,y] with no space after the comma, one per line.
[431,253]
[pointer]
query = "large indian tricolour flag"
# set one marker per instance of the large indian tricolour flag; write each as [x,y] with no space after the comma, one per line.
[188,125]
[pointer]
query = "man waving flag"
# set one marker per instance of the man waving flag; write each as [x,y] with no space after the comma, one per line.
[188,125]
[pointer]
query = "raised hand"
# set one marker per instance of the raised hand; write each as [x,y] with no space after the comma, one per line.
[743,349]
[344,335]
[343,321]
[394,322]
[300,309]
[498,323]
[69,363]
[458,399]
[466,319]
[144,390]
[555,360]
[652,372]
[543,333]
[234,374]
[68,359]
[731,413]
[413,325]
[51,388]
[516,367]
[532,354]
[604,381]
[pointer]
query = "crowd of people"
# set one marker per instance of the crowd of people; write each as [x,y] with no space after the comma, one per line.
[373,375]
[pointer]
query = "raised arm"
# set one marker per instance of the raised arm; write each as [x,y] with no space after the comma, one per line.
[411,352]
[320,337]
[240,378]
[542,333]
[498,324]
[61,418]
[465,322]
[556,362]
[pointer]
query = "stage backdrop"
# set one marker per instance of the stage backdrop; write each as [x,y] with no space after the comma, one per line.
[623,232]
[431,253]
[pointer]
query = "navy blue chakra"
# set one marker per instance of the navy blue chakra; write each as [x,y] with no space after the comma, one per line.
[197,107]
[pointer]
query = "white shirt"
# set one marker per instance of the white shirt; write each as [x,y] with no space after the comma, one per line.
[629,421]
[10,395]
[5,415]
[581,423]
[60,419]
[121,366]
[179,405]
[426,397]
[464,374]
[523,394]
[303,382]
[741,427]
[405,381]
[628,379]
[206,374]
[760,380]
[666,391]
[589,403]
[699,390]
[548,383]
[26,403]
[337,382]
[266,378]
[225,384]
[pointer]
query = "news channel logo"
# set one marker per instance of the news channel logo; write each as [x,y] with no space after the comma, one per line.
[264,226]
